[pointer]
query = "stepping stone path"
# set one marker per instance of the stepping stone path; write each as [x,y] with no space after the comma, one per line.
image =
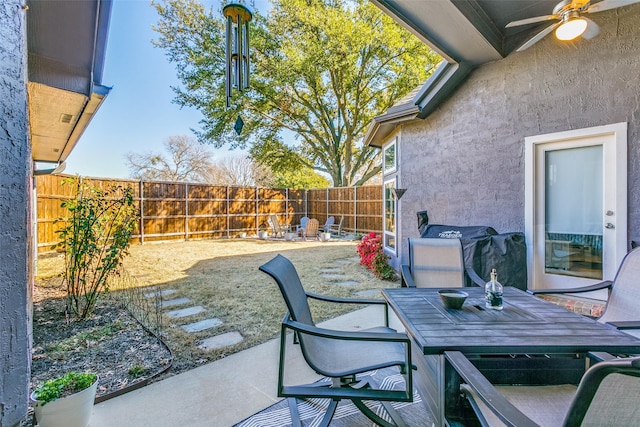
[202,325]
[161,293]
[211,343]
[333,273]
[220,341]
[173,302]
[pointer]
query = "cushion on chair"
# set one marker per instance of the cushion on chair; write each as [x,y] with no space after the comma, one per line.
[436,262]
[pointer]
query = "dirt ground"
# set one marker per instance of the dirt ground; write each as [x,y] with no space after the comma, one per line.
[221,276]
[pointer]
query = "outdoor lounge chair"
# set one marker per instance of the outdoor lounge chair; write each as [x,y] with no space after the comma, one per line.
[327,225]
[337,228]
[608,395]
[341,356]
[303,223]
[310,229]
[624,295]
[436,263]
[277,229]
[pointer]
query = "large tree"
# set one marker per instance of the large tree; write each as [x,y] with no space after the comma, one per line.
[185,160]
[321,70]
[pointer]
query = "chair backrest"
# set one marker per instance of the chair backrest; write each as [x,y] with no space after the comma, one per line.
[303,221]
[624,300]
[311,229]
[327,225]
[608,395]
[275,223]
[436,263]
[286,276]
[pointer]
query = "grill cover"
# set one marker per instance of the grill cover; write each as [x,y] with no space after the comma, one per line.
[484,248]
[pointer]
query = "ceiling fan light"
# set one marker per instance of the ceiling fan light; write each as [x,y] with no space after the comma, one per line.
[571,29]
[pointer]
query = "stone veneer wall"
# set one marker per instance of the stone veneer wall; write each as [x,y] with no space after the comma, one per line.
[15,214]
[465,162]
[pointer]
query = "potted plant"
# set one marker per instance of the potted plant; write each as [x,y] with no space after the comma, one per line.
[66,401]
[325,236]
[263,234]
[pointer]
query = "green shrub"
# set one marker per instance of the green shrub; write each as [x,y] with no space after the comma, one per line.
[57,388]
[94,237]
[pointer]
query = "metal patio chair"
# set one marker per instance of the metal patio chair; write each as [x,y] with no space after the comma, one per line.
[608,395]
[436,263]
[343,357]
[624,295]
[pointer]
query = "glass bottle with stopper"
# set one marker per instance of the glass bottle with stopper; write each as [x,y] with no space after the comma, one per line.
[493,292]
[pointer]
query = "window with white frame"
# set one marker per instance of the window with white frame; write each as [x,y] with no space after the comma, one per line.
[390,209]
[389,157]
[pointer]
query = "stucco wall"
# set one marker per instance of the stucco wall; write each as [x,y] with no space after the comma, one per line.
[15,205]
[465,162]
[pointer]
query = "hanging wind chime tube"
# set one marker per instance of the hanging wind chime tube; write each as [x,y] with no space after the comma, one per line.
[237,48]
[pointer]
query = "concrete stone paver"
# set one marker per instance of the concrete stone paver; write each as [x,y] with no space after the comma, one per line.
[348,283]
[184,312]
[202,325]
[160,293]
[334,277]
[369,293]
[174,302]
[219,341]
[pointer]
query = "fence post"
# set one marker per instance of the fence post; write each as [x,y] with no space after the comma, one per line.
[306,202]
[186,211]
[227,210]
[327,201]
[355,210]
[286,205]
[141,212]
[257,212]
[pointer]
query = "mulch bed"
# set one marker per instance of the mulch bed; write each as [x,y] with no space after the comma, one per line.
[110,343]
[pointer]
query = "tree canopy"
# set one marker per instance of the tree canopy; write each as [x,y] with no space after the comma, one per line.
[321,71]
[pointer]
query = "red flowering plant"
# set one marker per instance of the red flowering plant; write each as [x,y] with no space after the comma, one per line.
[373,257]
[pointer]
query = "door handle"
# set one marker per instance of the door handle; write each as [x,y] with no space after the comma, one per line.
[609,226]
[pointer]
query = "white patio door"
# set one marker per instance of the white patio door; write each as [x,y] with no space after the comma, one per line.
[576,206]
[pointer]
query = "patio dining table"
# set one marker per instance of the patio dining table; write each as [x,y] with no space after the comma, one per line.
[531,341]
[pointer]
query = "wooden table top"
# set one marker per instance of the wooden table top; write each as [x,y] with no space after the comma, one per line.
[527,324]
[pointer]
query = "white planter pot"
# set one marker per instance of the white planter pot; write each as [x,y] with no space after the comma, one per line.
[289,236]
[263,235]
[242,235]
[325,237]
[70,411]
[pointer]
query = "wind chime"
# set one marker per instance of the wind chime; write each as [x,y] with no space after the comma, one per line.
[237,52]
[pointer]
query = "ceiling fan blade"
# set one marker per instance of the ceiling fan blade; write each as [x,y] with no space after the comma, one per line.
[579,4]
[609,4]
[533,20]
[592,29]
[538,37]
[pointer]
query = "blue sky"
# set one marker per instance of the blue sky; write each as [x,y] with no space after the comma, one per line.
[138,115]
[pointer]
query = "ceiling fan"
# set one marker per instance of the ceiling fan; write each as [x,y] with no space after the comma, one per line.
[570,22]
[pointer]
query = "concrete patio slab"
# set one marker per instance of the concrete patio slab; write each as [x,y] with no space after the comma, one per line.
[224,392]
[174,302]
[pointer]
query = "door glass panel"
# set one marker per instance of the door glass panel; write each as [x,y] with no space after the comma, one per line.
[574,212]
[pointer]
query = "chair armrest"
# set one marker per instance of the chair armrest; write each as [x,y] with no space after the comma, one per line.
[407,280]
[475,278]
[339,300]
[345,335]
[625,324]
[477,386]
[600,356]
[602,285]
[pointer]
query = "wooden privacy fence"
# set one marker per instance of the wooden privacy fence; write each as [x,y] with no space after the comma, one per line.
[185,211]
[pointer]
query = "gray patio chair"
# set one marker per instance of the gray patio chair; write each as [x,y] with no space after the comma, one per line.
[277,229]
[608,395]
[343,357]
[303,223]
[624,295]
[327,225]
[436,263]
[337,228]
